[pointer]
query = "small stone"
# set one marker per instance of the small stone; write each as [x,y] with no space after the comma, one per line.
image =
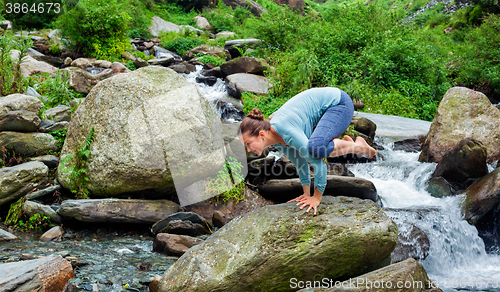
[54,234]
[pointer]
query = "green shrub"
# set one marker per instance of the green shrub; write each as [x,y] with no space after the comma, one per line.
[210,59]
[97,28]
[179,42]
[56,90]
[11,79]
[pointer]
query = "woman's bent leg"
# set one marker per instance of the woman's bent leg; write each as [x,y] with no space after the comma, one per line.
[332,124]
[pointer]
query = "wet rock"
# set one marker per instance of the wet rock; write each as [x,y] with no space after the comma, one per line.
[219,219]
[160,52]
[408,145]
[173,244]
[408,271]
[202,22]
[82,81]
[462,165]
[248,65]
[6,236]
[186,223]
[412,243]
[50,160]
[53,234]
[153,286]
[119,211]
[27,144]
[215,72]
[31,66]
[19,121]
[59,113]
[482,196]
[6,25]
[54,61]
[128,56]
[242,44]
[161,62]
[365,126]
[134,126]
[256,248]
[185,68]
[463,113]
[207,50]
[18,102]
[208,80]
[18,180]
[439,187]
[287,189]
[241,82]
[139,63]
[30,208]
[230,209]
[50,273]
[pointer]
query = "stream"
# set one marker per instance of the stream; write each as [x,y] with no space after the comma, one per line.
[109,260]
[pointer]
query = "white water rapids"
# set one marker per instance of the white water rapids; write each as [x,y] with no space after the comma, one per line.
[457,259]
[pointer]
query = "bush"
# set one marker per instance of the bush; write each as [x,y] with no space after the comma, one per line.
[11,79]
[97,28]
[56,90]
[180,42]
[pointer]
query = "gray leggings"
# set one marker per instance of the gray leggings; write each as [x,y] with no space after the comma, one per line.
[332,124]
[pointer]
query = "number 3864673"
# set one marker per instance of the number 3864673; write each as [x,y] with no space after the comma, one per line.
[34,8]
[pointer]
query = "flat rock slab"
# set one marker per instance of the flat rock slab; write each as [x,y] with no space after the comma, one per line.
[27,144]
[173,244]
[267,247]
[50,273]
[393,126]
[118,211]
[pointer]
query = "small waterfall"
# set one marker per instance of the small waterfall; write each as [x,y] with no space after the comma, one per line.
[457,259]
[229,108]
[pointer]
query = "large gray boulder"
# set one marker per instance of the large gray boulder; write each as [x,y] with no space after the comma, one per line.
[463,113]
[482,196]
[16,181]
[50,273]
[119,211]
[408,276]
[146,122]
[27,144]
[268,247]
[17,102]
[241,82]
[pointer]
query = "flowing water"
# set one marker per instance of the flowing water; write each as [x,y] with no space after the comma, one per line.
[457,259]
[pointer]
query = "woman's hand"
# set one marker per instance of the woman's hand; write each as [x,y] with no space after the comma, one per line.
[300,198]
[312,202]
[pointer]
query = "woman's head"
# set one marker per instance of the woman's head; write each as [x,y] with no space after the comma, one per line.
[252,130]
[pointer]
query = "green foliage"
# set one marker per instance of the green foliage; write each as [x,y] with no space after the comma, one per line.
[78,172]
[180,42]
[176,14]
[140,19]
[139,54]
[97,28]
[55,50]
[224,185]
[210,59]
[15,212]
[56,90]
[37,222]
[60,136]
[479,56]
[11,79]
[130,65]
[32,13]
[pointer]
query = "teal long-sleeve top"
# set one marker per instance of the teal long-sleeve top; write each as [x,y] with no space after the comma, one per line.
[295,122]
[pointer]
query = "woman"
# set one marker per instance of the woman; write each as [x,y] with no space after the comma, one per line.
[305,129]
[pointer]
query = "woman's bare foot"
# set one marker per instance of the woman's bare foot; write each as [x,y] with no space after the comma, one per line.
[347,138]
[366,149]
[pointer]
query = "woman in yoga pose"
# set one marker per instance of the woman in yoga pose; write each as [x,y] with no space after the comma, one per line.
[305,129]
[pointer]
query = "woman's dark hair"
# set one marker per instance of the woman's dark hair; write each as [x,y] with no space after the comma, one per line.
[253,124]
